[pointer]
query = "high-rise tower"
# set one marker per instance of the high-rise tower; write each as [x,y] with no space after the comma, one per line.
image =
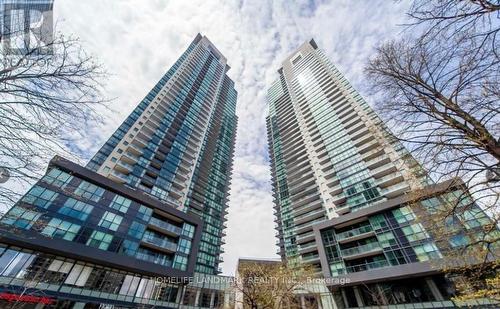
[145,215]
[177,144]
[349,198]
[330,152]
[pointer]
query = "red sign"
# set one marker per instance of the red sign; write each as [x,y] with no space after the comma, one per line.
[27,298]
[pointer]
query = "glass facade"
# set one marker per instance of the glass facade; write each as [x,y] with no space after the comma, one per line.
[87,282]
[385,239]
[398,236]
[150,204]
[63,206]
[336,169]
[177,144]
[330,153]
[94,235]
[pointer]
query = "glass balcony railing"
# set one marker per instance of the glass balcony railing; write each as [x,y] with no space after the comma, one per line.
[131,156]
[165,226]
[355,232]
[119,175]
[141,141]
[388,177]
[160,242]
[304,247]
[399,186]
[176,191]
[157,259]
[367,266]
[172,200]
[310,258]
[133,147]
[361,249]
[308,214]
[125,165]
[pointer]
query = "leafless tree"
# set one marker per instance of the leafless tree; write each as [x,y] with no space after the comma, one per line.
[476,20]
[443,102]
[271,285]
[45,100]
[438,88]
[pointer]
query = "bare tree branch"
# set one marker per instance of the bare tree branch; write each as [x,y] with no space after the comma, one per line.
[438,89]
[45,99]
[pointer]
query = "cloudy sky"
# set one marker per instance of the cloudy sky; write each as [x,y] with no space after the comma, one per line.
[137,41]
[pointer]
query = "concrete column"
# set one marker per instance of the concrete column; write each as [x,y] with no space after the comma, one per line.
[227,299]
[344,297]
[302,302]
[434,289]
[319,300]
[212,299]
[197,299]
[357,294]
[381,294]
[180,294]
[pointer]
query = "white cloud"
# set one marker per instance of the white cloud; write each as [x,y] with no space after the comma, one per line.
[138,41]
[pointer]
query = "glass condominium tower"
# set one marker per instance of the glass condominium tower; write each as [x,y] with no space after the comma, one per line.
[343,197]
[330,152]
[177,144]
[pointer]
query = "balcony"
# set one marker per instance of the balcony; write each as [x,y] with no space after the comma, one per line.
[308,226]
[123,167]
[302,183]
[368,146]
[178,182]
[156,259]
[136,150]
[118,177]
[339,199]
[359,233]
[304,200]
[309,216]
[377,161]
[396,190]
[165,226]
[298,170]
[373,153]
[390,180]
[311,206]
[361,251]
[342,208]
[147,131]
[173,201]
[151,125]
[301,193]
[140,142]
[175,192]
[310,259]
[160,243]
[383,170]
[361,139]
[367,266]
[130,158]
[336,190]
[303,238]
[307,248]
